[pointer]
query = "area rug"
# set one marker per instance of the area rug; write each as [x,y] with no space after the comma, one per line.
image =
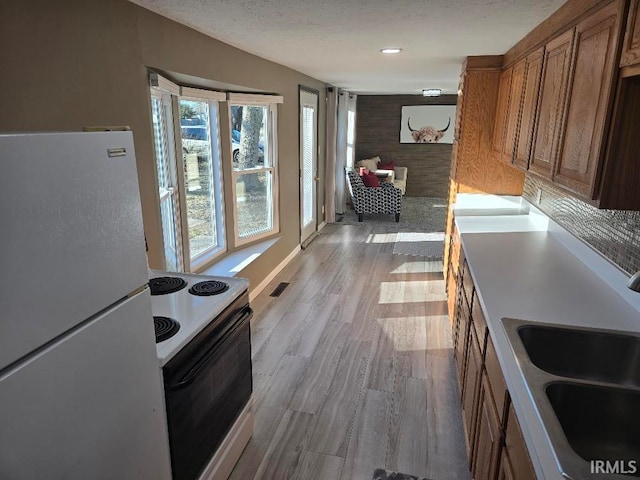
[382,474]
[418,244]
[419,214]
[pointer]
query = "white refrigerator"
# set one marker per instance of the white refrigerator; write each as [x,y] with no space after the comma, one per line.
[80,388]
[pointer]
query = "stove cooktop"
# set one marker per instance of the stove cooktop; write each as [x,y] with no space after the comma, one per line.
[192,312]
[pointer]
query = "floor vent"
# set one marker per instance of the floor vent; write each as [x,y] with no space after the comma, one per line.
[279,289]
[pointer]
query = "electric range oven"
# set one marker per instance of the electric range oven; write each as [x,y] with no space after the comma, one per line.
[203,325]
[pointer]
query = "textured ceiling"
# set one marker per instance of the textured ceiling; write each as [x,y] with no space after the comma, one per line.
[338,41]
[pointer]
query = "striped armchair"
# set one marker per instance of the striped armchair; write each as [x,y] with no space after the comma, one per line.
[385,199]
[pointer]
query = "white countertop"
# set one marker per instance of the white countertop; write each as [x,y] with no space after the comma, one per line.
[526,266]
[480,204]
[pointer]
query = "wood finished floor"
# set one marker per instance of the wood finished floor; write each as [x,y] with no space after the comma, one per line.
[353,366]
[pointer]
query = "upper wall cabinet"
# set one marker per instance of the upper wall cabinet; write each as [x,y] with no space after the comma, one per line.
[528,107]
[631,48]
[515,114]
[593,70]
[502,113]
[583,134]
[513,111]
[555,79]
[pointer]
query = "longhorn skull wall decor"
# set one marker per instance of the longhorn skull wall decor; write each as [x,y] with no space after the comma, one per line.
[427,124]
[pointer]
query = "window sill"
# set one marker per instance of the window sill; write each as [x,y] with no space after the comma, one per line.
[232,264]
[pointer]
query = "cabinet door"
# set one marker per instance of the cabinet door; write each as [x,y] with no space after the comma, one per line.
[592,75]
[470,392]
[462,339]
[524,139]
[500,124]
[517,450]
[513,110]
[487,440]
[631,49]
[496,379]
[505,471]
[555,77]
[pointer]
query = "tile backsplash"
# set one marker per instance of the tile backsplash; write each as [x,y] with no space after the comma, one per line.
[614,233]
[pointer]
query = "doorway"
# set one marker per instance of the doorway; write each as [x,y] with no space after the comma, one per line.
[308,163]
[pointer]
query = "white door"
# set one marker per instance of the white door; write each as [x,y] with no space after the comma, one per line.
[308,163]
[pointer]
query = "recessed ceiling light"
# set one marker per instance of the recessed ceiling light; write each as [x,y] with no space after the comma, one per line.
[391,50]
[431,92]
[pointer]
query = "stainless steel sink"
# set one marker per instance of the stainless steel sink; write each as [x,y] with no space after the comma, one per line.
[585,384]
[587,354]
[599,422]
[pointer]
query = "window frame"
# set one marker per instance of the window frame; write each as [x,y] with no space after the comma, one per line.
[271,103]
[169,92]
[165,94]
[205,258]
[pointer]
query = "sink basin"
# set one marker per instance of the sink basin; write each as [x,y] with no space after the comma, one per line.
[600,423]
[585,354]
[585,385]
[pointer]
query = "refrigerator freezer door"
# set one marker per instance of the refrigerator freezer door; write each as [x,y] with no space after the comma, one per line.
[72,242]
[88,407]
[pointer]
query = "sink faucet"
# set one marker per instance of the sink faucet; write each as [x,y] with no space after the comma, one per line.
[634,282]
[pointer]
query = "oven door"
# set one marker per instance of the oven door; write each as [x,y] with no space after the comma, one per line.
[207,384]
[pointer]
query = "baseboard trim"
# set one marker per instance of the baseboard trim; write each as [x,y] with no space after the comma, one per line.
[256,291]
[322,225]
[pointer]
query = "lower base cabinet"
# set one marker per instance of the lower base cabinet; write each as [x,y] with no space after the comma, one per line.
[505,472]
[493,435]
[488,437]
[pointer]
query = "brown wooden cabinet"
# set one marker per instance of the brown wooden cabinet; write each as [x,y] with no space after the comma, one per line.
[516,450]
[451,271]
[473,376]
[529,103]
[631,46]
[584,129]
[555,79]
[462,325]
[513,111]
[502,113]
[593,68]
[488,438]
[499,391]
[505,472]
[494,441]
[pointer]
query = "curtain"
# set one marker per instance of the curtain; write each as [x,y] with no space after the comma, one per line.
[341,150]
[330,163]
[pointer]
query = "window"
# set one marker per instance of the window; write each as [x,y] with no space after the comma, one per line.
[201,166]
[162,119]
[191,189]
[253,121]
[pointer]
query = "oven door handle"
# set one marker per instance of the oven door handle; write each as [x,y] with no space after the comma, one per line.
[239,320]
